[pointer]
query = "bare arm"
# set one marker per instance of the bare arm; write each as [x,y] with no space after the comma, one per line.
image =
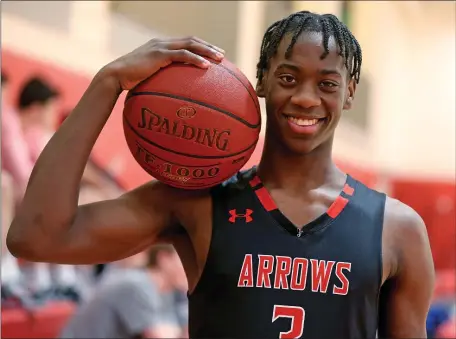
[406,297]
[49,225]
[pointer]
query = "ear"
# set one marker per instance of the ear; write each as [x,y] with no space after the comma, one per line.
[350,94]
[260,89]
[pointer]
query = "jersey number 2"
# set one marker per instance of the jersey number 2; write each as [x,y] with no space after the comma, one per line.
[297,315]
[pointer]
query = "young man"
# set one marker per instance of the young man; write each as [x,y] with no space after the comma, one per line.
[266,276]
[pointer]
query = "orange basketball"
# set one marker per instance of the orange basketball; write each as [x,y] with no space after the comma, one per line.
[193,128]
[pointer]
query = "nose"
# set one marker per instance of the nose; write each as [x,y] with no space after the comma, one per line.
[306,96]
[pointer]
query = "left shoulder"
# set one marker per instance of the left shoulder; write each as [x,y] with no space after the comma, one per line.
[405,235]
[403,219]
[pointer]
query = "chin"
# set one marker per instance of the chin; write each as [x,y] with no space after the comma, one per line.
[299,146]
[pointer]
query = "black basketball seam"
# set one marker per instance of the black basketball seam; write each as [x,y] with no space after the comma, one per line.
[237,78]
[257,105]
[186,154]
[174,96]
[175,163]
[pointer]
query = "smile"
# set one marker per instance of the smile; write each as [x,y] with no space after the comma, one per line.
[304,125]
[303,122]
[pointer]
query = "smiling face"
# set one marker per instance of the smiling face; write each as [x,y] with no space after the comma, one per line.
[305,94]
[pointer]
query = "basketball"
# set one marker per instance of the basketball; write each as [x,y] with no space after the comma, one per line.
[192,128]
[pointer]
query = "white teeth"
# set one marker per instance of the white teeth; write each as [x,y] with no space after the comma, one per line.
[303,122]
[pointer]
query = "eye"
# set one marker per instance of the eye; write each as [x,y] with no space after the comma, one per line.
[329,85]
[287,79]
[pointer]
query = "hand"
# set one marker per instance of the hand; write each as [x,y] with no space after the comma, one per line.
[130,69]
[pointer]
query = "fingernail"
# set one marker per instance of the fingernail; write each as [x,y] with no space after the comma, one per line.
[219,55]
[218,49]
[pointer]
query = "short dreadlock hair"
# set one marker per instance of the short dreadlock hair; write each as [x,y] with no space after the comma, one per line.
[306,21]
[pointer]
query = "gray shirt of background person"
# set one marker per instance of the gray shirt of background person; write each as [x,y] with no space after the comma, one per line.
[124,305]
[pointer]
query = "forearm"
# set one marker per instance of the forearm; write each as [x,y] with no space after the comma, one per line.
[51,198]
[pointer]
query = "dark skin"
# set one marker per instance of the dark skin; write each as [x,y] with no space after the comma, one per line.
[51,227]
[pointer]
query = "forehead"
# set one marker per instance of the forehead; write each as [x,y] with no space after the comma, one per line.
[308,49]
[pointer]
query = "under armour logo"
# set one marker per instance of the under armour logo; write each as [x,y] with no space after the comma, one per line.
[246,215]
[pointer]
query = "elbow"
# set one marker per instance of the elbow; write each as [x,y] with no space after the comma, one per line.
[25,246]
[19,247]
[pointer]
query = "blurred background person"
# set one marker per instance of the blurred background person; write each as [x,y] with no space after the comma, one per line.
[16,169]
[38,109]
[13,292]
[16,157]
[135,298]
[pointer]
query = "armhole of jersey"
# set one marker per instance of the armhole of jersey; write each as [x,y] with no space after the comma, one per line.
[214,206]
[379,231]
[381,218]
[220,194]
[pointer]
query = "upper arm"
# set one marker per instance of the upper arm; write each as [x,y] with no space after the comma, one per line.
[406,297]
[114,229]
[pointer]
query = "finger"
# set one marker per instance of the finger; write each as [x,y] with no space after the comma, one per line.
[196,47]
[184,55]
[207,44]
[194,38]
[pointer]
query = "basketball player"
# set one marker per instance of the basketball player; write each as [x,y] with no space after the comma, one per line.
[293,249]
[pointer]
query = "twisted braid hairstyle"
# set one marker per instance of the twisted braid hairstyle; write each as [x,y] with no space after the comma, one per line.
[327,24]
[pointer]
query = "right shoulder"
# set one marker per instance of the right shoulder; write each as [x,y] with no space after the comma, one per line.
[231,188]
[186,206]
[162,194]
[160,198]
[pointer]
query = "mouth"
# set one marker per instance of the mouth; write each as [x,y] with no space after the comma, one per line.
[303,125]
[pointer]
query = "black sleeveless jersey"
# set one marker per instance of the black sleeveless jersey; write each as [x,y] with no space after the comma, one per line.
[264,278]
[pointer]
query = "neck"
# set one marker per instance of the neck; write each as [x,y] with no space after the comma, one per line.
[280,168]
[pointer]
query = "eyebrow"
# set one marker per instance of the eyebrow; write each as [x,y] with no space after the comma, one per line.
[289,66]
[297,69]
[330,71]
